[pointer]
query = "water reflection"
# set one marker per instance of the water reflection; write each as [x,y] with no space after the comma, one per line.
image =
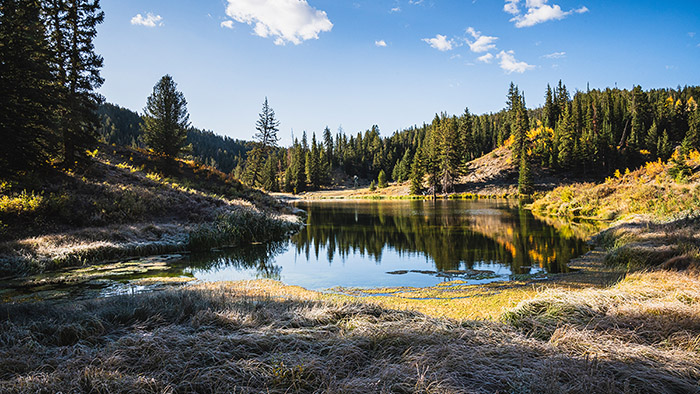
[453,234]
[258,259]
[357,243]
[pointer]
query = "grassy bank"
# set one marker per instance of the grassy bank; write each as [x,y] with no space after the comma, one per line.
[659,190]
[639,336]
[654,213]
[128,203]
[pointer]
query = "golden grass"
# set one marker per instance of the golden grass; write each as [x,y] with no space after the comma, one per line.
[461,302]
[640,336]
[653,189]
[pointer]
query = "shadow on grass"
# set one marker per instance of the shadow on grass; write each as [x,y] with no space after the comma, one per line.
[215,338]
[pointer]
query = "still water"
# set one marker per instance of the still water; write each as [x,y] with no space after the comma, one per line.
[400,243]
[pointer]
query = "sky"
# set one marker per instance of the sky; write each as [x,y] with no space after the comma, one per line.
[352,64]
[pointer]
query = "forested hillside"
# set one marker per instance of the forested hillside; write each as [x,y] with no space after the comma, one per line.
[585,134]
[121,126]
[590,135]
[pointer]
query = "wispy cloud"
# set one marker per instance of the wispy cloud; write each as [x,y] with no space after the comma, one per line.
[440,42]
[227,24]
[691,34]
[510,65]
[487,58]
[288,21]
[380,43]
[149,20]
[395,9]
[555,55]
[481,43]
[537,11]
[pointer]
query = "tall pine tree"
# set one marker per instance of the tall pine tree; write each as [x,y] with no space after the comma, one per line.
[72,28]
[165,119]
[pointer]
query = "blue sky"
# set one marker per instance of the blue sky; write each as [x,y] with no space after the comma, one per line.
[393,63]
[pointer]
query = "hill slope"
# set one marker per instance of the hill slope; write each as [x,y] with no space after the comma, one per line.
[127,202]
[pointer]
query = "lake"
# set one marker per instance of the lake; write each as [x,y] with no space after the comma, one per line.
[389,243]
[357,243]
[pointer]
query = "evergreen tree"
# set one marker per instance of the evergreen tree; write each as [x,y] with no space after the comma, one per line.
[165,119]
[328,145]
[269,175]
[566,142]
[27,89]
[72,28]
[525,183]
[313,162]
[550,111]
[416,174]
[381,180]
[449,157]
[692,138]
[266,139]
[652,140]
[267,127]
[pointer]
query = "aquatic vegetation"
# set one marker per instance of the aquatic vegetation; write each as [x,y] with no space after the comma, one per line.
[239,227]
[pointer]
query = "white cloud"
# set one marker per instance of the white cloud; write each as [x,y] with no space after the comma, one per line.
[538,11]
[440,42]
[511,7]
[292,21]
[395,9]
[380,43]
[510,65]
[555,55]
[487,58]
[227,24]
[691,34]
[149,20]
[481,43]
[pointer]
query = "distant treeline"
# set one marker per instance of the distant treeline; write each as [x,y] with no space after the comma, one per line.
[592,134]
[122,126]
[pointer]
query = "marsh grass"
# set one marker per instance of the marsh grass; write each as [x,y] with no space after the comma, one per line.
[242,337]
[240,227]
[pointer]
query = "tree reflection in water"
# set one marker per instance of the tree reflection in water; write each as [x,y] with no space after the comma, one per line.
[454,234]
[260,257]
[399,235]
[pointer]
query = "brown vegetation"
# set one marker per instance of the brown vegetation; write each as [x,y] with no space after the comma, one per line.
[639,336]
[126,203]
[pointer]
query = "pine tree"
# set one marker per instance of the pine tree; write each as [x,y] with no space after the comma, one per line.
[417,174]
[165,119]
[550,111]
[328,145]
[267,127]
[269,176]
[381,180]
[313,162]
[566,142]
[28,96]
[692,138]
[72,28]
[525,183]
[449,157]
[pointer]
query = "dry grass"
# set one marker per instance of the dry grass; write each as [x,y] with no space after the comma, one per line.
[253,337]
[127,203]
[653,190]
